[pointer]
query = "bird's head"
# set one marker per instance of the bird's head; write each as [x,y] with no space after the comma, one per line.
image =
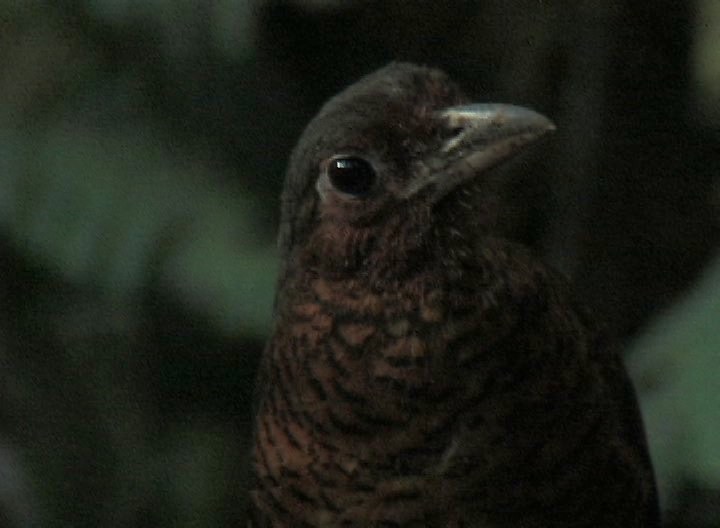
[389,167]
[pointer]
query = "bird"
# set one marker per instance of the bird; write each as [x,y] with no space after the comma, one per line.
[424,369]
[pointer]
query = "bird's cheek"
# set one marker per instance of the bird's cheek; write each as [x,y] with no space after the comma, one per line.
[338,245]
[334,210]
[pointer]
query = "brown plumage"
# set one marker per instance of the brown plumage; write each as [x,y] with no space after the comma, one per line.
[423,371]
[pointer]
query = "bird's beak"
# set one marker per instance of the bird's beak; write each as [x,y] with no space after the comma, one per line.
[480,136]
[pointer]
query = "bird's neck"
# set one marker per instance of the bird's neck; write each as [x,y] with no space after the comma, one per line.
[385,257]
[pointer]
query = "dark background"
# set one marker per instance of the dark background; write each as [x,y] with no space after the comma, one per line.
[142,150]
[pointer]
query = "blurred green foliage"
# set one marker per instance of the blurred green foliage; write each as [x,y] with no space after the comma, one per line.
[142,146]
[680,374]
[97,205]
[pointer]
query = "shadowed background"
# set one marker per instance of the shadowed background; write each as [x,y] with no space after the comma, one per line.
[142,151]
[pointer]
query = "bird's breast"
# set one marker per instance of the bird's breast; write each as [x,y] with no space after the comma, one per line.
[363,362]
[359,402]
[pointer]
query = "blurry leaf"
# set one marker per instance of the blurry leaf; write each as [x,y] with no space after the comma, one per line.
[707,59]
[185,25]
[227,273]
[680,354]
[113,208]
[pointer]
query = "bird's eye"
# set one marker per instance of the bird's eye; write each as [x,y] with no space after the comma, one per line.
[351,175]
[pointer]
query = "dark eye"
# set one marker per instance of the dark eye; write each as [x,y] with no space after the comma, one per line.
[351,175]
